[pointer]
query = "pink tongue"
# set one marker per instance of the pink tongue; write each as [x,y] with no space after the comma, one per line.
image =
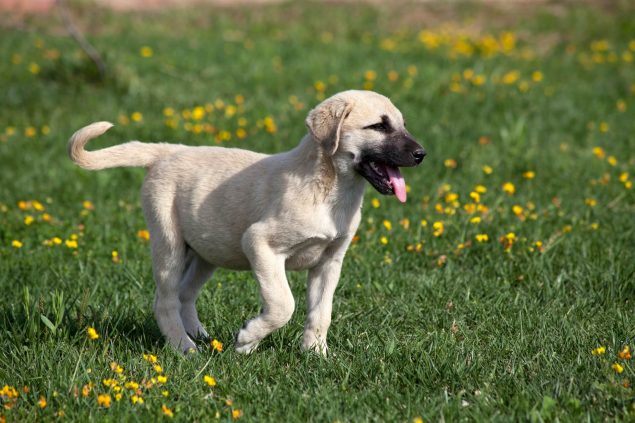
[397,182]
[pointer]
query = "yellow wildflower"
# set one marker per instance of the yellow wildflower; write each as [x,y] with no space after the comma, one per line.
[146,52]
[383,240]
[236,414]
[103,400]
[136,399]
[438,229]
[517,210]
[71,243]
[157,368]
[625,354]
[475,196]
[599,152]
[162,378]
[118,397]
[536,76]
[417,420]
[450,163]
[591,202]
[136,117]
[509,188]
[42,402]
[375,203]
[487,170]
[617,367]
[480,189]
[482,237]
[132,385]
[387,224]
[475,220]
[209,380]
[217,345]
[530,174]
[16,244]
[116,368]
[92,333]
[165,410]
[150,357]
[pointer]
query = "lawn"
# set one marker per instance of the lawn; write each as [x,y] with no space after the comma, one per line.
[504,289]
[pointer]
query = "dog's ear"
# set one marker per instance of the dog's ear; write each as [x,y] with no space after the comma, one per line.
[325,123]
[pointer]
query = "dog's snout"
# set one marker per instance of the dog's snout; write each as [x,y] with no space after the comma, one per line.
[419,155]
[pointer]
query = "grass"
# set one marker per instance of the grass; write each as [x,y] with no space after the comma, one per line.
[439,327]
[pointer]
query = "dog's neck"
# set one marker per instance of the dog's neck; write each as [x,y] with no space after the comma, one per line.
[327,186]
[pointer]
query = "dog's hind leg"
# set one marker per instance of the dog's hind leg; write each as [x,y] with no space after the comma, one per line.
[168,265]
[197,273]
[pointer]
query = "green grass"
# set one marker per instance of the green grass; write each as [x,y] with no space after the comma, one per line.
[456,330]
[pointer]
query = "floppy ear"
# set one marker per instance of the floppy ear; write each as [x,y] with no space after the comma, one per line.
[325,123]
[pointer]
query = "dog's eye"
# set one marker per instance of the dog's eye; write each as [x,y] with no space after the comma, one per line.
[381,127]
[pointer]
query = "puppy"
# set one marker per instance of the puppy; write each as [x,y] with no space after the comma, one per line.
[210,207]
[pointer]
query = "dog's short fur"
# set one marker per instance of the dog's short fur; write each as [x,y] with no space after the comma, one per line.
[209,207]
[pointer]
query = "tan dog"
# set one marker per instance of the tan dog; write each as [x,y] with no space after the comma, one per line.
[209,207]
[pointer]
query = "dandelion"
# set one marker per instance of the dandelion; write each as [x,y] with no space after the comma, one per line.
[71,243]
[41,402]
[92,333]
[604,127]
[165,410]
[475,220]
[517,210]
[450,163]
[103,400]
[482,237]
[136,399]
[376,203]
[591,202]
[536,76]
[417,420]
[217,345]
[16,244]
[150,357]
[618,368]
[30,132]
[599,152]
[625,354]
[157,368]
[236,414]
[594,226]
[87,388]
[165,393]
[116,368]
[509,188]
[530,174]
[438,229]
[387,224]
[146,52]
[209,380]
[383,240]
[162,379]
[136,117]
[487,170]
[34,68]
[508,240]
[475,196]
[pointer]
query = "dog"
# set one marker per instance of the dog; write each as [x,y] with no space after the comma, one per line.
[210,207]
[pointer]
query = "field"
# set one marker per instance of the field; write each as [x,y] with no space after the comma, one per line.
[503,290]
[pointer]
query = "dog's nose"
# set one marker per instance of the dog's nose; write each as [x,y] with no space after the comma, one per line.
[419,155]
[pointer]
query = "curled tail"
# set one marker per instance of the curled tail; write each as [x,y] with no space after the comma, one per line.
[132,153]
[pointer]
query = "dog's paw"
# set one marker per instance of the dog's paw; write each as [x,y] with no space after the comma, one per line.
[244,343]
[317,347]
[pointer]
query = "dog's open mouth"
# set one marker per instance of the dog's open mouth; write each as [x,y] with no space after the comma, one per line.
[384,178]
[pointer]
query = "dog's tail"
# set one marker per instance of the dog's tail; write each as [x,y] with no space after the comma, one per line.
[132,153]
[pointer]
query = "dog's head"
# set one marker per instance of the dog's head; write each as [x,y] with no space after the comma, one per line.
[364,133]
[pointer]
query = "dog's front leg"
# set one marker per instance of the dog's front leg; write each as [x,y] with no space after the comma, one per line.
[322,281]
[276,297]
